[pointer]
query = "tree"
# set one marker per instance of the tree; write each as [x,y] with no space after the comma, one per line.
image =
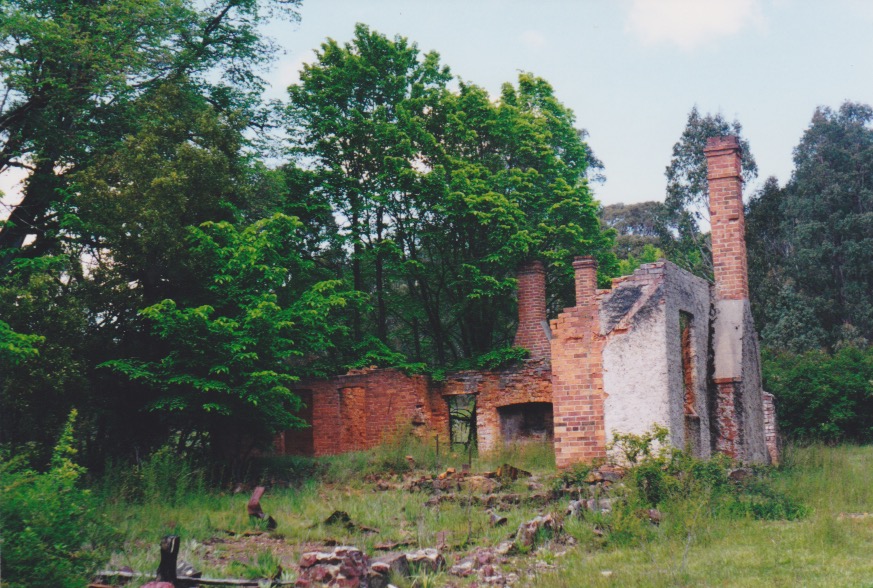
[828,220]
[72,73]
[228,365]
[47,373]
[636,226]
[441,194]
[131,119]
[359,112]
[687,201]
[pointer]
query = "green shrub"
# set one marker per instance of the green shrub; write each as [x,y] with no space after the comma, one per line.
[686,490]
[52,534]
[163,477]
[822,396]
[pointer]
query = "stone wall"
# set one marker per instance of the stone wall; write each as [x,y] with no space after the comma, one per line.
[645,377]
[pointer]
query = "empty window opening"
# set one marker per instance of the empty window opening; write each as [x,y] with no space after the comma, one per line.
[692,419]
[685,320]
[462,420]
[530,421]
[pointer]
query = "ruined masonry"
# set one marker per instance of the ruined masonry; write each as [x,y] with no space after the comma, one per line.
[661,346]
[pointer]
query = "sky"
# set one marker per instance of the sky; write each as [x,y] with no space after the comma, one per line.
[631,70]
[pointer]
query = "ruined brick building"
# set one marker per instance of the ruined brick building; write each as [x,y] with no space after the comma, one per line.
[661,346]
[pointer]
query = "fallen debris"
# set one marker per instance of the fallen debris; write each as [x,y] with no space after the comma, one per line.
[511,472]
[496,519]
[382,567]
[530,532]
[343,567]
[428,560]
[854,516]
[342,518]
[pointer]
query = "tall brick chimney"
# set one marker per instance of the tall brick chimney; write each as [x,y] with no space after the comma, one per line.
[739,401]
[531,333]
[585,269]
[724,172]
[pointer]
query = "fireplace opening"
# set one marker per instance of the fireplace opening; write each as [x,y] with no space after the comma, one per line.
[530,421]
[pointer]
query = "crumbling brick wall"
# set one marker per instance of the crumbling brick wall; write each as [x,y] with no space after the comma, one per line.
[361,410]
[771,428]
[577,374]
[516,385]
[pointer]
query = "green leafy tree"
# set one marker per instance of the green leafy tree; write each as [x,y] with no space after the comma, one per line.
[636,225]
[823,396]
[442,194]
[360,113]
[72,75]
[44,374]
[230,360]
[687,201]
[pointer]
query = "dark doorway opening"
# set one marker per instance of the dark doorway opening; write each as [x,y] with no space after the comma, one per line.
[531,421]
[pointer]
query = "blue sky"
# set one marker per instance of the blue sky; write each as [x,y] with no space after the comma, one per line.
[632,69]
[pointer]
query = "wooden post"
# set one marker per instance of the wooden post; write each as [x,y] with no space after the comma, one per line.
[169,553]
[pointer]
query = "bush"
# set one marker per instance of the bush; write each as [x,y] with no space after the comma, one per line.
[163,477]
[687,490]
[52,534]
[822,396]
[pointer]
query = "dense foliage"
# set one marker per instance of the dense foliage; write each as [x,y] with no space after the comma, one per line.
[441,194]
[162,278]
[53,532]
[823,396]
[813,238]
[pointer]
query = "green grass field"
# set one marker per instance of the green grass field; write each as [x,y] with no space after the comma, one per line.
[827,547]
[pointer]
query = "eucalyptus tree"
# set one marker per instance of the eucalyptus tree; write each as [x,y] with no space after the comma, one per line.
[687,201]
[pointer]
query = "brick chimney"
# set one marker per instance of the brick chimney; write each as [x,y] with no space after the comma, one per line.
[585,269]
[724,172]
[531,333]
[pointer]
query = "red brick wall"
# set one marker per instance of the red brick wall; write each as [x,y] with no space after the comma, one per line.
[728,440]
[363,409]
[532,310]
[724,173]
[577,374]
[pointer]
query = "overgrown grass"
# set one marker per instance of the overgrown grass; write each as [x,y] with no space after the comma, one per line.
[693,545]
[690,548]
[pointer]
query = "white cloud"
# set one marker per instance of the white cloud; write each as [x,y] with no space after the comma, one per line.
[533,40]
[690,23]
[286,73]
